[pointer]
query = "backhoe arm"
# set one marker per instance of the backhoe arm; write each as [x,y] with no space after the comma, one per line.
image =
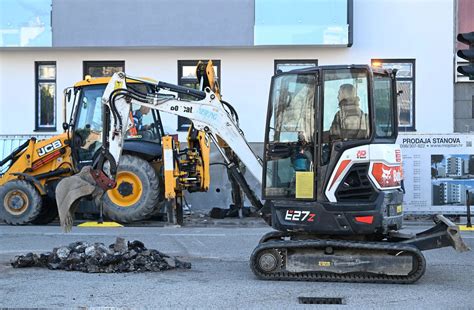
[207,113]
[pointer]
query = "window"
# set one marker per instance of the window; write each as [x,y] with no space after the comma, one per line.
[383,106]
[187,77]
[293,64]
[88,127]
[103,68]
[405,88]
[293,108]
[45,96]
[291,132]
[25,23]
[346,105]
[303,22]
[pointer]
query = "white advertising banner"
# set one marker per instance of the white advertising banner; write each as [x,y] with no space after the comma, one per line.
[438,169]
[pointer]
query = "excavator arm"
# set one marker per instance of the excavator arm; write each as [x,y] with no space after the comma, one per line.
[208,114]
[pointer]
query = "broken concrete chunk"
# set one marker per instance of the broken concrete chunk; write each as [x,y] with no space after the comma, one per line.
[90,251]
[63,252]
[121,256]
[120,245]
[170,261]
[136,245]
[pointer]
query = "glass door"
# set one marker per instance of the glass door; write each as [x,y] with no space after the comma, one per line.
[290,140]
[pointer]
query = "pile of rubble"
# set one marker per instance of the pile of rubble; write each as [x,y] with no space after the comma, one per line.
[121,256]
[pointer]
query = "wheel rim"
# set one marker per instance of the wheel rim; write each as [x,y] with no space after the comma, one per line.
[268,261]
[16,202]
[128,190]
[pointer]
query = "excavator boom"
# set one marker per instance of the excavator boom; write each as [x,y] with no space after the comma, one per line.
[207,114]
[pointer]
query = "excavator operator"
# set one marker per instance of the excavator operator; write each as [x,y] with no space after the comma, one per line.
[350,122]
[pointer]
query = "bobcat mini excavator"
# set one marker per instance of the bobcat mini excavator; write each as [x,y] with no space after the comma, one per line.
[331,173]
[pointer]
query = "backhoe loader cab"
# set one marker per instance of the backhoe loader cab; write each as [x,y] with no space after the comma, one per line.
[331,165]
[137,195]
[85,127]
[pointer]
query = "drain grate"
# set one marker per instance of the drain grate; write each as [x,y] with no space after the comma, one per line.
[321,300]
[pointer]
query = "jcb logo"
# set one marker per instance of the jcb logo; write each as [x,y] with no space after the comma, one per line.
[299,216]
[48,148]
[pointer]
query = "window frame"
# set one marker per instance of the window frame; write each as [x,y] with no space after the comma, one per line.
[39,80]
[412,79]
[182,121]
[277,62]
[100,63]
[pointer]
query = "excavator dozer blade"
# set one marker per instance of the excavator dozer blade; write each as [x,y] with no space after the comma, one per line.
[445,233]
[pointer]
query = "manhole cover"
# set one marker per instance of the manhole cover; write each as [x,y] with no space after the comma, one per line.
[321,300]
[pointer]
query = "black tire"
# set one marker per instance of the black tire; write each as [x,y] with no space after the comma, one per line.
[20,203]
[145,204]
[49,212]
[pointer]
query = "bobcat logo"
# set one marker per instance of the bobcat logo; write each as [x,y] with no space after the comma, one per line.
[390,176]
[386,176]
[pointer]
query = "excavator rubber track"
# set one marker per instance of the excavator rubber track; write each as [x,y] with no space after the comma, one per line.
[337,261]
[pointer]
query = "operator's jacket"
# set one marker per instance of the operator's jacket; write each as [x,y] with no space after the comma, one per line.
[138,120]
[350,122]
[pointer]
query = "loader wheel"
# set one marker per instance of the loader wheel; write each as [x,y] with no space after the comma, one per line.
[137,192]
[49,211]
[20,203]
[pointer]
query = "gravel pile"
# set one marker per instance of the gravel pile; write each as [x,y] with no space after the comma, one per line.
[121,256]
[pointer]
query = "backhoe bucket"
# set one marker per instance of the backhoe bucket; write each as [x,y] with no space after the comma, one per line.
[445,233]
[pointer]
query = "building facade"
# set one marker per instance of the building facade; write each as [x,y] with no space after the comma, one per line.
[454,166]
[48,45]
[452,193]
[250,39]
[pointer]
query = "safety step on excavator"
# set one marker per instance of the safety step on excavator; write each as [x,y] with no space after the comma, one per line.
[331,173]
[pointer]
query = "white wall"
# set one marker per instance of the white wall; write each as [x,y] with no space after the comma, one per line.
[421,29]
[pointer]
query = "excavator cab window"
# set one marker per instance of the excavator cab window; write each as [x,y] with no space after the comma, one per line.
[384,106]
[146,123]
[291,132]
[346,105]
[88,123]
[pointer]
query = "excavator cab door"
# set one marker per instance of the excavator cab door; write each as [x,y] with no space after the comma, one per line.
[291,140]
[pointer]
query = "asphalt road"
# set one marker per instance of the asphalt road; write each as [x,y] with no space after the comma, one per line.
[220,276]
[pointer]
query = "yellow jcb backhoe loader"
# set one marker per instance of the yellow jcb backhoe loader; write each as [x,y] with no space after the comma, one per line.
[29,175]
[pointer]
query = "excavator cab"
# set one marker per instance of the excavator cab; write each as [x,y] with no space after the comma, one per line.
[132,199]
[330,137]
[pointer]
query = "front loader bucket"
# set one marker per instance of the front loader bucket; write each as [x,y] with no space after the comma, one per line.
[445,233]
